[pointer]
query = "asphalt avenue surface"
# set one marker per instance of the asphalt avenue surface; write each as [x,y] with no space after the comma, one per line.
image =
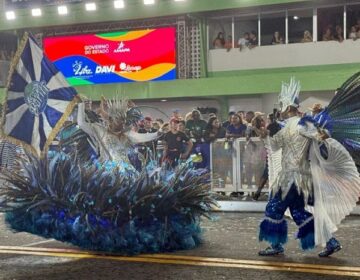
[229,251]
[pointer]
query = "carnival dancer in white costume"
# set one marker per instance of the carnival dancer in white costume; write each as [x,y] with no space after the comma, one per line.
[112,135]
[311,173]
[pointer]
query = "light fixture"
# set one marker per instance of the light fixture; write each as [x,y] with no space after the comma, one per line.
[119,4]
[62,10]
[149,2]
[295,17]
[36,12]
[90,6]
[179,0]
[163,100]
[10,15]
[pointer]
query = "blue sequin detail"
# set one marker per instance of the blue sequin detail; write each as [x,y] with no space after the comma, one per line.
[273,230]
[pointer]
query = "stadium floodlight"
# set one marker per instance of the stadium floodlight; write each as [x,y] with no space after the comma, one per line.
[10,15]
[36,12]
[149,2]
[62,10]
[295,17]
[119,4]
[90,6]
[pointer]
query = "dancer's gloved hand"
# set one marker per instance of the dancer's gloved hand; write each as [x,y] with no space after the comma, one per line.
[323,135]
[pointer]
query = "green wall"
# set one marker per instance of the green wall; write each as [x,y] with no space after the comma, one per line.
[313,78]
[134,10]
[222,84]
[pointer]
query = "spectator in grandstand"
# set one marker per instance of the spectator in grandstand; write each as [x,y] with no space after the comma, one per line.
[241,113]
[236,129]
[229,43]
[212,115]
[147,128]
[188,116]
[156,125]
[328,35]
[339,34]
[165,127]
[174,144]
[176,114]
[213,130]
[181,126]
[257,114]
[352,34]
[253,41]
[277,39]
[219,41]
[357,24]
[307,37]
[160,121]
[227,123]
[249,116]
[244,41]
[256,123]
[195,127]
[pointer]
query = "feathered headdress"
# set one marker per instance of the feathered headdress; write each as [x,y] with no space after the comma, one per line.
[120,111]
[289,95]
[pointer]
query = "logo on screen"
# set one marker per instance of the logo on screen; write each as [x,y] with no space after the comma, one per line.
[128,68]
[105,69]
[80,70]
[121,48]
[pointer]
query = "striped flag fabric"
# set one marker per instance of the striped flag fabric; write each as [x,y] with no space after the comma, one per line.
[38,99]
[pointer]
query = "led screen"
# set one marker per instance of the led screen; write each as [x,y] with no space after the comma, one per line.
[117,57]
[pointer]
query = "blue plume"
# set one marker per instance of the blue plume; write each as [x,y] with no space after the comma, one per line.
[97,207]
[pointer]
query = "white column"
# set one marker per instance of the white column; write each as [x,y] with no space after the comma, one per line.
[315,26]
[345,23]
[259,29]
[286,27]
[233,32]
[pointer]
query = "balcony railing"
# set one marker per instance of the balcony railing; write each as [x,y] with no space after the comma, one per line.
[279,56]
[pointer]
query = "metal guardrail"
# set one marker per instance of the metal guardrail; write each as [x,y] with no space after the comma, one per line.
[237,166]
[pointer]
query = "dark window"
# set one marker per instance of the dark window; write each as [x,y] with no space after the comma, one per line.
[330,23]
[271,24]
[300,26]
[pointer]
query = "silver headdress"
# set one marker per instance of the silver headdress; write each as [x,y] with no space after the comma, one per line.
[116,108]
[289,95]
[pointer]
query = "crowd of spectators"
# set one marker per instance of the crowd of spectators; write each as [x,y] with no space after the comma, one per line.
[183,136]
[333,34]
[249,40]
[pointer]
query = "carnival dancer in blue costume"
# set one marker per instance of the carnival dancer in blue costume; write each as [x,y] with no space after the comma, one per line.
[311,173]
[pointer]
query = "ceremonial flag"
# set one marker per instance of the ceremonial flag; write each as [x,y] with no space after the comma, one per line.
[38,99]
